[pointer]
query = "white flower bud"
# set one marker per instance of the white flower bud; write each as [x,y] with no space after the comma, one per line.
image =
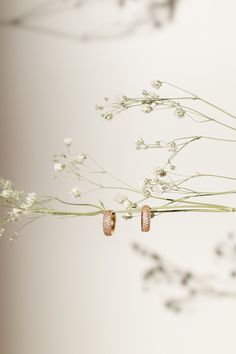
[120,198]
[7,193]
[108,116]
[81,157]
[172,146]
[180,112]
[139,141]
[128,204]
[156,84]
[98,108]
[147,109]
[58,167]
[76,192]
[67,142]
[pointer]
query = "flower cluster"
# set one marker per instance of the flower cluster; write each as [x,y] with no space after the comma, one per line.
[68,163]
[18,205]
[127,204]
[159,183]
[150,101]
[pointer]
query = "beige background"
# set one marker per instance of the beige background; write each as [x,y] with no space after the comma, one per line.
[64,287]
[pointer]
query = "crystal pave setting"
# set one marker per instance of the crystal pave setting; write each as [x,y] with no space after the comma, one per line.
[145,218]
[109,222]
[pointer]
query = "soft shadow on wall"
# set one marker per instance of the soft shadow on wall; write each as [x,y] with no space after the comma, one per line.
[180,289]
[117,18]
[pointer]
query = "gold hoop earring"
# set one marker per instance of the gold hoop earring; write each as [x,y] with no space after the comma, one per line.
[109,222]
[145,218]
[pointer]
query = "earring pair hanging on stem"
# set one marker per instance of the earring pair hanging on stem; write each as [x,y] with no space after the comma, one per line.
[109,220]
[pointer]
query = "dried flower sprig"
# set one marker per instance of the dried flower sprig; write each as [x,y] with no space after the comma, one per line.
[166,190]
[165,178]
[149,101]
[179,288]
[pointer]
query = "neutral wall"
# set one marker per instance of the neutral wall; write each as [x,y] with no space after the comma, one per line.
[64,287]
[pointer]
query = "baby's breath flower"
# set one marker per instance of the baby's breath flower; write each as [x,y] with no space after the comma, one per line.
[127,216]
[15,214]
[98,107]
[180,112]
[146,192]
[7,193]
[160,172]
[67,142]
[165,187]
[147,108]
[128,204]
[81,157]
[1,232]
[76,192]
[31,199]
[122,101]
[145,183]
[58,166]
[5,184]
[172,146]
[139,143]
[121,198]
[156,84]
[108,116]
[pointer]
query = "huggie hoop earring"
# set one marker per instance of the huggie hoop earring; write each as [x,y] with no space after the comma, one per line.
[109,222]
[145,218]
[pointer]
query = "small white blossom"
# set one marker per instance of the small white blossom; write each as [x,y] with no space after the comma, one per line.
[81,157]
[147,109]
[15,214]
[24,207]
[180,112]
[122,101]
[1,232]
[76,192]
[156,84]
[128,204]
[139,143]
[67,142]
[5,184]
[108,116]
[31,199]
[144,183]
[58,167]
[120,198]
[172,146]
[160,172]
[98,107]
[7,193]
[127,216]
